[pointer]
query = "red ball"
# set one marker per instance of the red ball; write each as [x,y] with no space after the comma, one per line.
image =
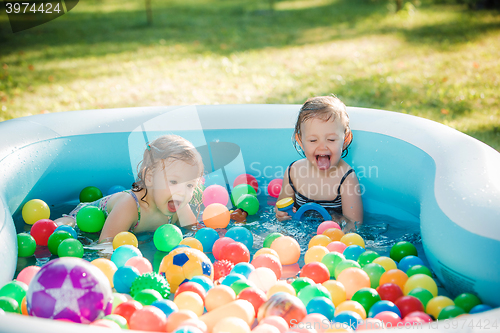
[246,179]
[222,268]
[389,292]
[41,231]
[417,316]
[149,318]
[192,286]
[409,304]
[219,244]
[269,261]
[254,295]
[127,308]
[235,252]
[274,187]
[316,271]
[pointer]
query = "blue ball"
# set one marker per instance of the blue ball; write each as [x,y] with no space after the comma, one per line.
[124,277]
[231,278]
[187,329]
[166,305]
[242,235]
[352,252]
[321,305]
[204,281]
[207,236]
[68,229]
[349,318]
[381,306]
[243,268]
[409,261]
[116,189]
[480,308]
[124,253]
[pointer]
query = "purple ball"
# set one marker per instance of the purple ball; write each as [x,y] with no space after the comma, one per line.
[69,288]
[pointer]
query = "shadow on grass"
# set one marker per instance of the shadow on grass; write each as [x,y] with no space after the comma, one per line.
[487,133]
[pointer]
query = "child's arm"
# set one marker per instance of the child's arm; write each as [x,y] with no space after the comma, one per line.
[286,191]
[352,206]
[185,216]
[121,218]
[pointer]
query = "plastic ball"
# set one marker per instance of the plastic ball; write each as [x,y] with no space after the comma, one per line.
[389,292]
[27,274]
[215,194]
[353,306]
[90,194]
[480,308]
[344,264]
[253,295]
[15,290]
[216,215]
[307,293]
[246,179]
[422,294]
[41,231]
[275,321]
[192,326]
[122,254]
[409,304]
[316,271]
[118,299]
[321,240]
[242,235]
[336,246]
[35,210]
[263,278]
[270,239]
[121,321]
[167,237]
[422,281]
[385,262]
[127,309]
[107,267]
[331,260]
[70,248]
[115,189]
[301,282]
[402,249]
[281,286]
[193,287]
[218,296]
[207,237]
[353,280]
[313,322]
[383,306]
[219,244]
[90,219]
[149,318]
[366,297]
[203,281]
[352,252]
[370,324]
[176,319]
[63,227]
[189,300]
[274,187]
[269,261]
[222,268]
[240,190]
[147,296]
[288,250]
[349,318]
[26,245]
[337,291]
[466,301]
[322,305]
[315,254]
[243,268]
[248,203]
[389,318]
[125,238]
[367,257]
[418,317]
[374,271]
[142,264]
[353,239]
[167,306]
[438,303]
[327,225]
[283,305]
[394,276]
[418,269]
[55,240]
[235,252]
[192,243]
[231,278]
[408,262]
[8,304]
[231,324]
[150,281]
[124,277]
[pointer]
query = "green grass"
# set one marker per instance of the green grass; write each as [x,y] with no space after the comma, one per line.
[435,61]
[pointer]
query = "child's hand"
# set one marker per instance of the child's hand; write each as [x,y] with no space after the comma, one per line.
[283,216]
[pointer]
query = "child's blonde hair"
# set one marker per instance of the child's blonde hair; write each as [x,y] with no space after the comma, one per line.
[324,108]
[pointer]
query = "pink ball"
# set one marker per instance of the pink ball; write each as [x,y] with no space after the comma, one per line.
[316,271]
[277,322]
[269,261]
[327,225]
[27,274]
[266,328]
[215,194]
[336,246]
[246,179]
[274,187]
[370,324]
[389,318]
[219,244]
[142,264]
[315,320]
[418,316]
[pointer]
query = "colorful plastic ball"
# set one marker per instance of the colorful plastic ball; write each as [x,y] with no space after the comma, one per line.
[283,305]
[242,235]
[243,268]
[316,271]
[63,227]
[26,245]
[218,296]
[418,269]
[408,304]
[15,290]
[263,278]
[389,292]
[125,238]
[231,324]
[383,306]
[222,268]
[121,321]
[241,285]
[275,321]
[90,194]
[176,319]
[142,264]
[422,294]
[193,287]
[246,179]
[394,276]
[307,293]
[331,260]
[370,324]
[269,239]
[207,236]
[337,291]
[122,254]
[351,306]
[281,286]
[254,295]
[353,239]
[401,250]
[248,203]
[352,252]
[269,261]
[203,281]
[344,264]
[349,318]
[56,239]
[27,274]
[418,316]
[124,277]
[167,306]
[449,312]
[150,281]
[90,219]
[149,318]
[216,216]
[288,250]
[438,303]
[167,237]
[219,244]
[274,187]
[385,262]
[115,189]
[315,254]
[147,296]
[192,243]
[127,309]
[366,297]
[235,252]
[41,231]
[118,299]
[240,190]
[374,271]
[353,280]
[336,246]
[323,226]
[70,248]
[334,234]
[389,318]
[480,308]
[215,194]
[231,278]
[312,322]
[367,257]
[35,210]
[107,267]
[189,300]
[321,305]
[422,281]
[105,323]
[408,262]
[467,301]
[8,304]
[321,240]
[192,326]
[301,282]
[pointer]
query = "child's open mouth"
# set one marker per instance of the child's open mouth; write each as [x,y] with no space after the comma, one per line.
[172,206]
[323,162]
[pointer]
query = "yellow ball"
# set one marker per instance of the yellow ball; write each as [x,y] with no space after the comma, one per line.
[192,243]
[315,254]
[386,262]
[436,304]
[231,324]
[125,238]
[334,234]
[337,291]
[421,281]
[35,210]
[219,296]
[351,306]
[322,240]
[281,286]
[266,250]
[107,267]
[189,300]
[353,239]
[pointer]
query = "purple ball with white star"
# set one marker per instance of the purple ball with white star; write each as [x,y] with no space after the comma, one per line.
[69,288]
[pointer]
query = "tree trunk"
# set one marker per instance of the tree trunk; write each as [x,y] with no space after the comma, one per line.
[149,12]
[399,5]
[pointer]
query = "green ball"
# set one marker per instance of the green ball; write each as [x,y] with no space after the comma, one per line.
[240,190]
[331,260]
[167,237]
[121,321]
[270,239]
[90,219]
[367,257]
[366,297]
[56,239]
[26,245]
[345,264]
[374,272]
[15,290]
[249,203]
[451,311]
[422,294]
[467,301]
[418,269]
[401,250]
[70,248]
[147,296]
[90,194]
[9,305]
[239,285]
[153,281]
[300,283]
[307,293]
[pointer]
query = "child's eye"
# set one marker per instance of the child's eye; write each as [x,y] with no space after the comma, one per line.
[190,186]
[331,140]
[173,182]
[312,140]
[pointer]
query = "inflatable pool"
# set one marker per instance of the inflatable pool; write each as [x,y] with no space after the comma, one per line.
[408,167]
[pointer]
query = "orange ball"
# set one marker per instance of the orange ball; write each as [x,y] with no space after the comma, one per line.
[334,234]
[192,243]
[266,250]
[337,291]
[322,240]
[189,300]
[281,286]
[149,318]
[351,306]
[353,279]
[107,267]
[177,318]
[24,307]
[218,296]
[216,215]
[288,249]
[353,239]
[395,276]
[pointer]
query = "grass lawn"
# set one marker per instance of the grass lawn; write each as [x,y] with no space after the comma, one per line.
[435,61]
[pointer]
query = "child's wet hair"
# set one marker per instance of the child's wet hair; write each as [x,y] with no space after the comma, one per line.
[324,108]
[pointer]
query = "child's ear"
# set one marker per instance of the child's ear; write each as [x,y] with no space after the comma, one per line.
[297,139]
[148,177]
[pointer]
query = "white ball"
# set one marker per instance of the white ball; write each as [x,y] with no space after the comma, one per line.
[263,278]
